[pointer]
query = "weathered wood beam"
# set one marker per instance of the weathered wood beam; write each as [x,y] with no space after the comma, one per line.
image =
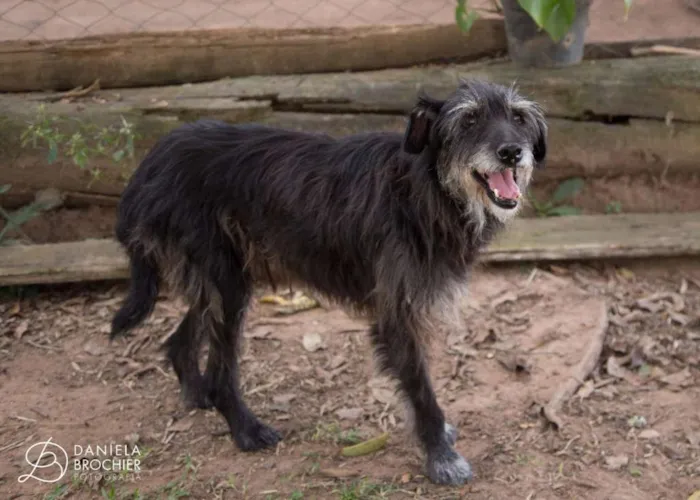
[142,59]
[576,148]
[550,239]
[649,87]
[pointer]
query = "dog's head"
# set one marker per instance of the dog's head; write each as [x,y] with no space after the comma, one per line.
[485,139]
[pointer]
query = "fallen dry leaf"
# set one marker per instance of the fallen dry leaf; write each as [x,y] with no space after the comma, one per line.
[586,389]
[21,329]
[649,434]
[93,348]
[384,396]
[515,363]
[297,303]
[616,462]
[181,426]
[349,413]
[366,447]
[337,473]
[284,398]
[615,369]
[693,438]
[258,332]
[678,379]
[15,309]
[312,342]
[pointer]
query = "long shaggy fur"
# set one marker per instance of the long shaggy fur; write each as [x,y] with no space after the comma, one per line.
[385,224]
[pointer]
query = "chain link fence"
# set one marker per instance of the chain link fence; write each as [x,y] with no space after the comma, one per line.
[64,19]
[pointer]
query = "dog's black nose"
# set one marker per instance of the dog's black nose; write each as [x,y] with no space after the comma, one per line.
[509,153]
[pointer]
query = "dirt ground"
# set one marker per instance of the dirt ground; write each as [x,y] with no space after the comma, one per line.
[632,431]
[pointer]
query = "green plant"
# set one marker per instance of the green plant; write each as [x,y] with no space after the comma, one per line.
[60,491]
[555,205]
[86,142]
[364,490]
[15,220]
[614,207]
[555,17]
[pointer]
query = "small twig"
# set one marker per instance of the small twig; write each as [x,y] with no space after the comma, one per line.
[80,91]
[566,447]
[663,49]
[24,419]
[118,398]
[140,371]
[40,346]
[531,277]
[580,372]
[11,446]
[265,387]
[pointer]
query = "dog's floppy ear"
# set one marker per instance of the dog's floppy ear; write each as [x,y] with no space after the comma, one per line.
[420,123]
[539,150]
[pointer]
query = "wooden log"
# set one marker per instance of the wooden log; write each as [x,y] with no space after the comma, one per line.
[142,59]
[632,48]
[550,239]
[599,236]
[146,59]
[577,148]
[650,87]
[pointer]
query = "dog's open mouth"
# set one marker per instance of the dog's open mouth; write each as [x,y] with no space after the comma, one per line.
[501,187]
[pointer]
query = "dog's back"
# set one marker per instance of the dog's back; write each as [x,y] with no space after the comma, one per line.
[295,207]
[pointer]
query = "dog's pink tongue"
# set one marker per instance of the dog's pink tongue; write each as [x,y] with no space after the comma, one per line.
[504,183]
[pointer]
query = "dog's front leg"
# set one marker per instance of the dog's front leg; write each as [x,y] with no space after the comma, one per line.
[400,353]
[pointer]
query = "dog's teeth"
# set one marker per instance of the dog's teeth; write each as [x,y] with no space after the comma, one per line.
[495,191]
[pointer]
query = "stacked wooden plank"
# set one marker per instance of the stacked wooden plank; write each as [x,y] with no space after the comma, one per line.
[607,117]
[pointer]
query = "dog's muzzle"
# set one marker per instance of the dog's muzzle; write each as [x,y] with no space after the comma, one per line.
[501,186]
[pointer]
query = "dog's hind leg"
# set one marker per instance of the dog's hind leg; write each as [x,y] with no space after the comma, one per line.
[400,353]
[183,352]
[222,374]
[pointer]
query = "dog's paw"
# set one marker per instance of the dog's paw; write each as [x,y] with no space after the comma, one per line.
[448,467]
[257,436]
[451,433]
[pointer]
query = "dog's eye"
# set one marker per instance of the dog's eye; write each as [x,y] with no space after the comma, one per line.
[469,119]
[519,118]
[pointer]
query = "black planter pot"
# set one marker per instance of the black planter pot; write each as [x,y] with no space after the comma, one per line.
[531,47]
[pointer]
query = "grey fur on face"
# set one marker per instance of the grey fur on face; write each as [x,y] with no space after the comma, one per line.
[472,127]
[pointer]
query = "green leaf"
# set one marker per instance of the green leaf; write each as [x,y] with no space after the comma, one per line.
[563,210]
[553,16]
[465,18]
[568,189]
[118,155]
[4,188]
[614,207]
[53,152]
[628,6]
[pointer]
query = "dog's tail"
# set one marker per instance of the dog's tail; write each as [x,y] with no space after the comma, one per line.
[141,298]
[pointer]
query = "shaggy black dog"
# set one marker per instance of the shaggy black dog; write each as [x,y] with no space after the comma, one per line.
[383,223]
